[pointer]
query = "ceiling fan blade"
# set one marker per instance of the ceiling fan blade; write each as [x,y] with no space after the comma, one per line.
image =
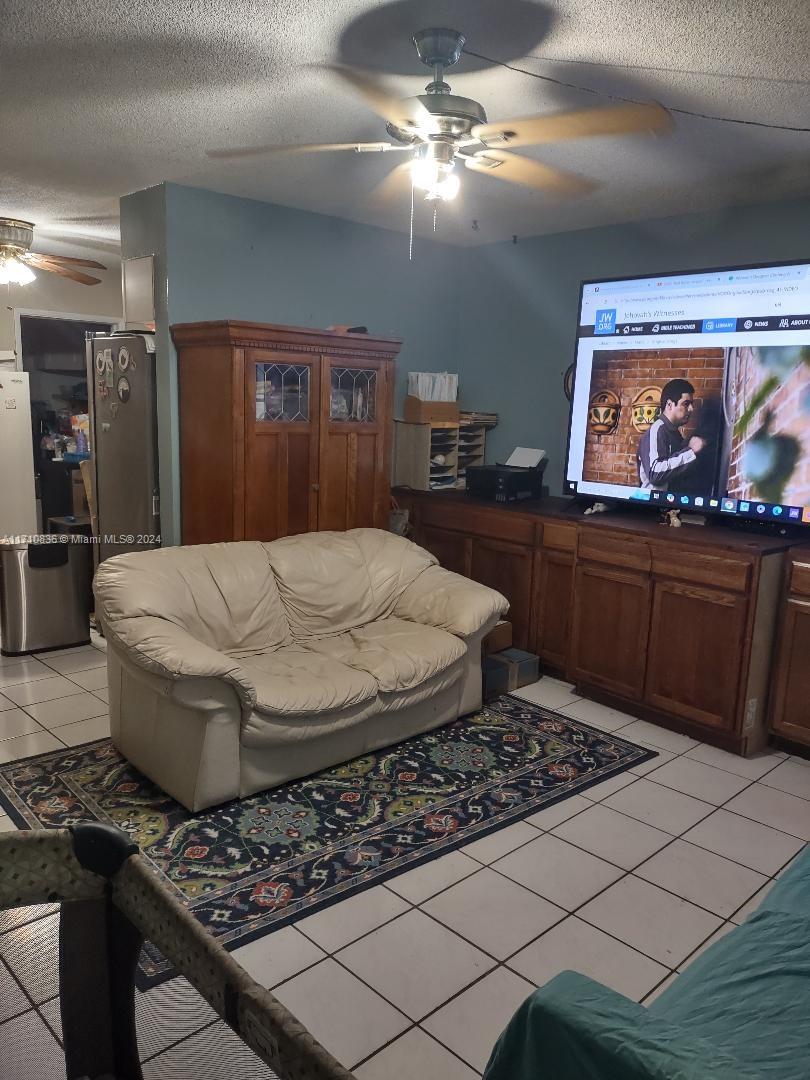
[41,262]
[395,188]
[530,173]
[379,97]
[304,148]
[578,124]
[69,260]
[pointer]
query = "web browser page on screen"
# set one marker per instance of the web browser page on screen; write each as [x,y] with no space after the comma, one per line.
[693,391]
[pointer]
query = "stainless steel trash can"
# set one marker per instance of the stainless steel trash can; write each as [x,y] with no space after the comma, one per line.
[44,589]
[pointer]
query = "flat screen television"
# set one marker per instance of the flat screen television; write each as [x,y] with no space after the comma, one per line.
[692,391]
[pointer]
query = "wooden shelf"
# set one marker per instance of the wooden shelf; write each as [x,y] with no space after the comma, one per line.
[416,447]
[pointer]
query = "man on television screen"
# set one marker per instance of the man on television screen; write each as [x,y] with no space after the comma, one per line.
[665,457]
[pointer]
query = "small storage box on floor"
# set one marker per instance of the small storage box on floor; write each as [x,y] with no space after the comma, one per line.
[508,670]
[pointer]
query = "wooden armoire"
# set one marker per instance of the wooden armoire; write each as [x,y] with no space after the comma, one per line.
[283,429]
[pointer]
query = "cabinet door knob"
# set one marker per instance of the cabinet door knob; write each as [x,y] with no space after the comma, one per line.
[316,487]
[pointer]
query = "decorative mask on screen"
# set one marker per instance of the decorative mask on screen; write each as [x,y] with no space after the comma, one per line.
[603,413]
[646,407]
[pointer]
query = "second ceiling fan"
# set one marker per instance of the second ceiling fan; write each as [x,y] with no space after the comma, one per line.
[441,128]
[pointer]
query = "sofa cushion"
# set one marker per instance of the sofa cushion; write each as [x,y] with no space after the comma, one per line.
[293,681]
[223,595]
[332,582]
[440,598]
[393,564]
[397,654]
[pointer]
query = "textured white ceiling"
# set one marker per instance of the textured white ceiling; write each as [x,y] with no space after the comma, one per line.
[97,100]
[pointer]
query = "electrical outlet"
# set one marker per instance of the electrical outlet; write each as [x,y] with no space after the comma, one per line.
[750,714]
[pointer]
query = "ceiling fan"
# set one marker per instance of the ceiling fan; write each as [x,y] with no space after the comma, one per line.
[441,128]
[16,259]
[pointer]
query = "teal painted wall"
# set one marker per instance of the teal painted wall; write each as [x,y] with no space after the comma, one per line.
[224,257]
[514,349]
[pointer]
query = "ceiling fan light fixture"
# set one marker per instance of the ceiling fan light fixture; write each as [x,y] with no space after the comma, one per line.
[425,173]
[13,271]
[436,179]
[446,189]
[432,171]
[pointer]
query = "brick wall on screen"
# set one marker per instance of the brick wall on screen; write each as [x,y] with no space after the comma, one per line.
[785,404]
[611,459]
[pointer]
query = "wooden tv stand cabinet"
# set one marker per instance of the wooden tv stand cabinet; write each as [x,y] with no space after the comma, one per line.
[676,626]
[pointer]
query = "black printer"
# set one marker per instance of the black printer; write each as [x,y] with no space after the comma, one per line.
[506,483]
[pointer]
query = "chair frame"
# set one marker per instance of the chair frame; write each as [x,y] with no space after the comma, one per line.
[111,901]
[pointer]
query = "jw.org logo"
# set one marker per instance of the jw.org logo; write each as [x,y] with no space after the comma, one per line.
[605,321]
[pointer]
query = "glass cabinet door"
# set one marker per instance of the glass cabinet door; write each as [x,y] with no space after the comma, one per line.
[353,395]
[282,392]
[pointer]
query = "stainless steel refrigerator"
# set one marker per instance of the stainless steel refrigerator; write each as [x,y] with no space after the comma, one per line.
[123,434]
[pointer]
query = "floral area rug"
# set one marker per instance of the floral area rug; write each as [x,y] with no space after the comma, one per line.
[250,867]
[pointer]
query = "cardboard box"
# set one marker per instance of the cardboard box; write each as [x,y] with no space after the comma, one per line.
[499,638]
[419,412]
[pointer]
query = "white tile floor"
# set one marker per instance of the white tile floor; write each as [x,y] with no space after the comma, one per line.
[46,703]
[416,977]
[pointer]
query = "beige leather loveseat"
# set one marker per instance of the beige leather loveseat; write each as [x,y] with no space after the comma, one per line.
[236,667]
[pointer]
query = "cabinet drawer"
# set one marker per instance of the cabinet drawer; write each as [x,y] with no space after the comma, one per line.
[477,521]
[614,550]
[560,537]
[701,569]
[800,579]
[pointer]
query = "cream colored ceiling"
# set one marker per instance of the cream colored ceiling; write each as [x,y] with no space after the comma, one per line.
[97,100]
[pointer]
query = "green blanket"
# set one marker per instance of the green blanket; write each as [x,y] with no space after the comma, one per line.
[575,1029]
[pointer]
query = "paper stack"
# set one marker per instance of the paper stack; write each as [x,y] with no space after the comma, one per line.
[433,385]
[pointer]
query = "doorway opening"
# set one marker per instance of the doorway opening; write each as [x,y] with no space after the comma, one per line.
[51,348]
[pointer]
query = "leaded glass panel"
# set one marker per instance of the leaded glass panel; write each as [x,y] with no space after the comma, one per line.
[282,392]
[353,395]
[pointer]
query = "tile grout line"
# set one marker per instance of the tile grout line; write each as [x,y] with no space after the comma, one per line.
[184,1038]
[631,873]
[414,1026]
[12,975]
[47,1023]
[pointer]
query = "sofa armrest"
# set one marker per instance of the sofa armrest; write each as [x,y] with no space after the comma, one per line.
[164,649]
[449,602]
[576,1029]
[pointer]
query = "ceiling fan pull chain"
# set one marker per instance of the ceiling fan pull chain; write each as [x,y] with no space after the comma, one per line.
[435,214]
[410,237]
